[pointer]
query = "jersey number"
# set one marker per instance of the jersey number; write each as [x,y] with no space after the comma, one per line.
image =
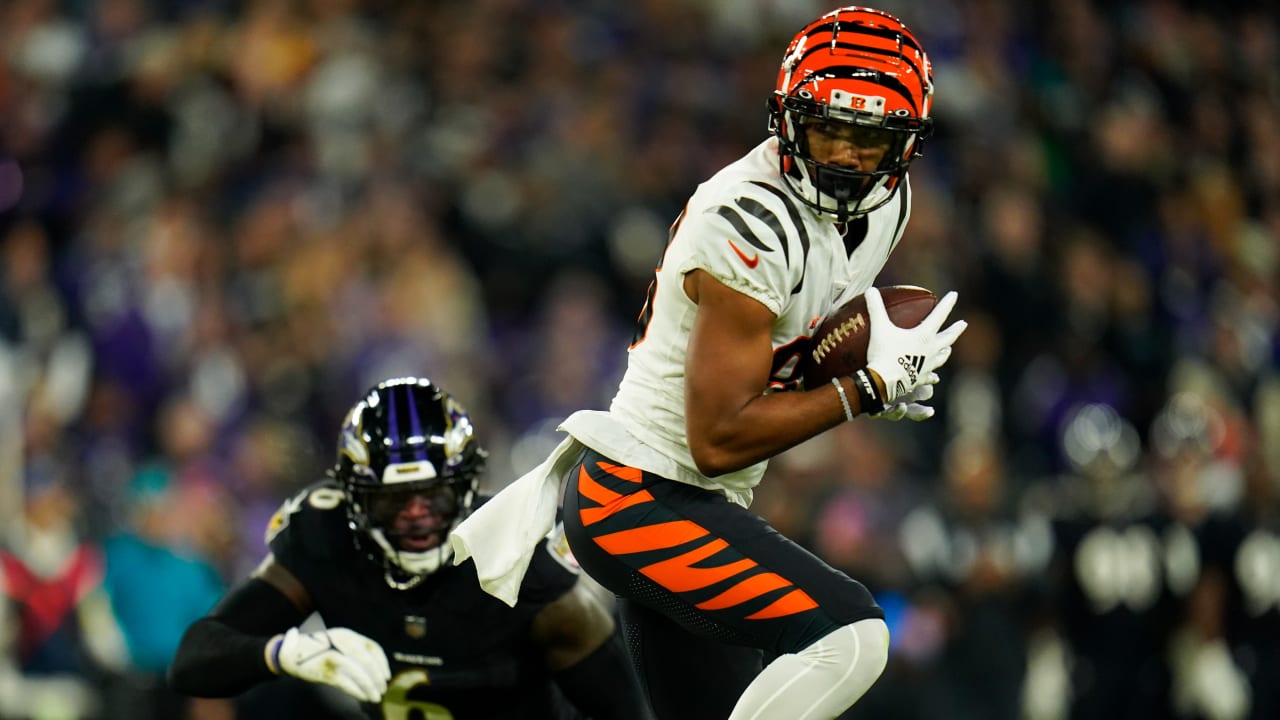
[1120,567]
[396,704]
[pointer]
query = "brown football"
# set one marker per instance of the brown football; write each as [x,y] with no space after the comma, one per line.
[839,345]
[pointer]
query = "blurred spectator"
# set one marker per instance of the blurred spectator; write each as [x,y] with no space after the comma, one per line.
[856,515]
[971,558]
[159,583]
[58,634]
[569,355]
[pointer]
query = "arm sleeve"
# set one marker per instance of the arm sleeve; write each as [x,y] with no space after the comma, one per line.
[222,654]
[604,684]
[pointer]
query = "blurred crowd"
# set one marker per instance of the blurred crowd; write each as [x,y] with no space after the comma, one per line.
[222,220]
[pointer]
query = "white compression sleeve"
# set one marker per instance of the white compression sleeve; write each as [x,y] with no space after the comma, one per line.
[821,681]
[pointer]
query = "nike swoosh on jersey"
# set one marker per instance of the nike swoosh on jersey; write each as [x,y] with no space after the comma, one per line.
[750,261]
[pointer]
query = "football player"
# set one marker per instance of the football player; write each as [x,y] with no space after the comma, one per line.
[1120,569]
[405,632]
[657,487]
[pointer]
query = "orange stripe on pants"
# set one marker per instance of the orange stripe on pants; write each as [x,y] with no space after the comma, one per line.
[650,537]
[679,575]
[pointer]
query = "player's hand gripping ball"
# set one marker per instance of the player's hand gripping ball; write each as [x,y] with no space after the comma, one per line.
[839,346]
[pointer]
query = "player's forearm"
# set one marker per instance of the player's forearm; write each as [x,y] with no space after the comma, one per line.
[727,441]
[604,685]
[223,654]
[216,660]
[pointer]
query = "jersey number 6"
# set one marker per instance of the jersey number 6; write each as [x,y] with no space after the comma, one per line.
[396,704]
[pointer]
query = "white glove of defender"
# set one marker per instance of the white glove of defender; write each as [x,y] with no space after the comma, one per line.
[911,406]
[339,657]
[908,358]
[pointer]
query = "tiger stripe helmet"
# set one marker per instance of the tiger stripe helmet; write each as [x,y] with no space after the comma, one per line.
[859,66]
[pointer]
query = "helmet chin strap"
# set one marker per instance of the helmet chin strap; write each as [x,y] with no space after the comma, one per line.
[416,564]
[828,204]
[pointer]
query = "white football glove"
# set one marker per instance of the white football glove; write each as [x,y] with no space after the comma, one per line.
[339,657]
[908,358]
[911,406]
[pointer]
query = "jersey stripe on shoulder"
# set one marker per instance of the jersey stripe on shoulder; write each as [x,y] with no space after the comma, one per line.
[739,224]
[797,221]
[768,217]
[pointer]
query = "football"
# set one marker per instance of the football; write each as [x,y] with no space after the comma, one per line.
[839,345]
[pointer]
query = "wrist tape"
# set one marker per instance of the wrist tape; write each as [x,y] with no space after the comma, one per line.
[869,398]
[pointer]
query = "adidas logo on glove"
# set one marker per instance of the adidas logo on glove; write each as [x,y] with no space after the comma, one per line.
[912,364]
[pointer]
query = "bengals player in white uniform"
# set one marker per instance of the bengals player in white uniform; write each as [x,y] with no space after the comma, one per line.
[655,507]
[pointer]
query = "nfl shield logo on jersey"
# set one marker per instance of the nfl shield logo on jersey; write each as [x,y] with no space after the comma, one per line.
[415,626]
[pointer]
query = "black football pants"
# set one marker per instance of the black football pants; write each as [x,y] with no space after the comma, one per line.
[706,588]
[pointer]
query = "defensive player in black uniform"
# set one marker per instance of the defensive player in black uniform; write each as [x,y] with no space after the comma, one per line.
[406,632]
[1120,572]
[1226,655]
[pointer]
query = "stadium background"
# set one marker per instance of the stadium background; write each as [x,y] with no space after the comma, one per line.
[220,221]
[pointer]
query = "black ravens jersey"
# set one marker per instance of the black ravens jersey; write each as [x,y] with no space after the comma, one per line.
[456,652]
[1244,550]
[1122,582]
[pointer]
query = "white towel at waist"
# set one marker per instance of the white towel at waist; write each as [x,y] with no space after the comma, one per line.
[503,533]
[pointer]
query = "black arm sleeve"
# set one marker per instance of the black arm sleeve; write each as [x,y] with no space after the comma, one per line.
[604,685]
[221,654]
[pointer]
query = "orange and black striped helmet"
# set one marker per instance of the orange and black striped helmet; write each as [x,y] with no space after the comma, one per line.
[861,67]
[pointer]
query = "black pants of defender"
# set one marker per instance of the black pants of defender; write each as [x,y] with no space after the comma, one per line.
[706,588]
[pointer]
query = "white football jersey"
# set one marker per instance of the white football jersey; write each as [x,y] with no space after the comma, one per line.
[744,228]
